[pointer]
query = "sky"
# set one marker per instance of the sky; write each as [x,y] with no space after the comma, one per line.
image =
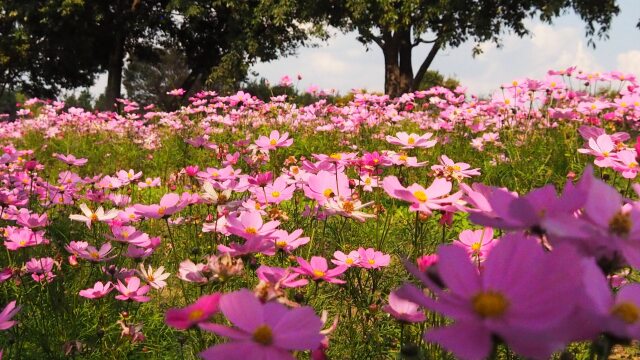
[343,63]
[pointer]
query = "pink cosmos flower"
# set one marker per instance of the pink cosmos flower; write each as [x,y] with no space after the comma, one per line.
[94,255]
[411,141]
[603,148]
[23,237]
[325,185]
[263,331]
[477,243]
[452,170]
[421,199]
[274,193]
[41,269]
[70,159]
[149,182]
[169,204]
[131,290]
[191,272]
[97,291]
[249,225]
[347,208]
[521,296]
[275,140]
[372,259]
[9,311]
[127,177]
[318,269]
[289,242]
[403,310]
[618,314]
[626,163]
[203,309]
[279,277]
[90,217]
[32,220]
[342,259]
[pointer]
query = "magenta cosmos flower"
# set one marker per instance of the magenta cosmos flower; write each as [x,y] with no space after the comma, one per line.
[318,269]
[169,205]
[263,331]
[97,291]
[7,314]
[477,243]
[70,159]
[249,225]
[520,297]
[205,307]
[421,199]
[403,310]
[275,140]
[131,290]
[372,259]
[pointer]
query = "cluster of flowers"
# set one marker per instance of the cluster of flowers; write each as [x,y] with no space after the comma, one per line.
[519,289]
[553,278]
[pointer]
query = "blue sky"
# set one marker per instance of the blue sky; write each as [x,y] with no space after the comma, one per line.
[343,63]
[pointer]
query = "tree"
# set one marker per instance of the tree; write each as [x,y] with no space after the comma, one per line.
[63,44]
[222,38]
[399,26]
[147,81]
[433,78]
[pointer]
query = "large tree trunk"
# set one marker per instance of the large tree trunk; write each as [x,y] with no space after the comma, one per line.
[114,77]
[406,68]
[391,66]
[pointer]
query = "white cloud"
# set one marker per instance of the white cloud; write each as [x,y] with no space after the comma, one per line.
[629,62]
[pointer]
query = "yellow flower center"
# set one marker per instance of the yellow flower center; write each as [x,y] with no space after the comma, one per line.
[94,217]
[476,246]
[281,243]
[349,261]
[620,224]
[196,315]
[295,170]
[371,261]
[275,194]
[95,255]
[626,311]
[327,193]
[318,273]
[633,165]
[215,174]
[125,235]
[263,335]
[411,140]
[623,104]
[251,230]
[273,142]
[150,278]
[553,84]
[403,157]
[336,156]
[605,153]
[347,206]
[23,242]
[489,304]
[367,181]
[507,101]
[593,106]
[420,196]
[162,210]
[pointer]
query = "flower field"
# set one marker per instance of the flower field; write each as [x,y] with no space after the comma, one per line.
[434,225]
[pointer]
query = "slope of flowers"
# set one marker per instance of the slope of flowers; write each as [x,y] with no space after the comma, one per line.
[423,226]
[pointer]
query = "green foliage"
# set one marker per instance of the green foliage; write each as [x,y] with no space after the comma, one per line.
[434,78]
